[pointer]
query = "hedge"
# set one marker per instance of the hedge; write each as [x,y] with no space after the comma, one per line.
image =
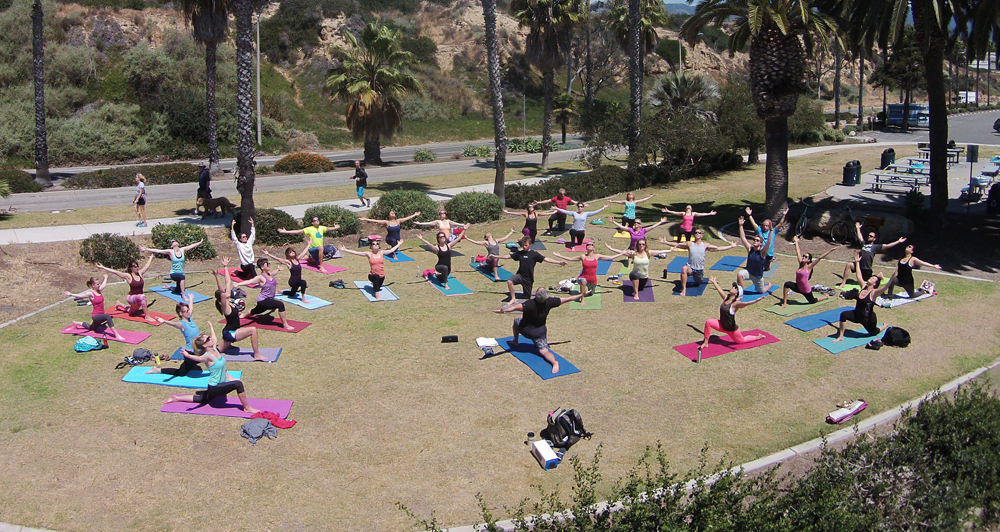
[474,207]
[405,203]
[304,163]
[267,222]
[184,234]
[124,176]
[19,181]
[602,182]
[111,250]
[331,214]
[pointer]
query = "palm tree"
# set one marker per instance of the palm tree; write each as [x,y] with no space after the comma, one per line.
[677,90]
[780,32]
[371,80]
[38,54]
[209,21]
[550,24]
[496,96]
[564,112]
[245,167]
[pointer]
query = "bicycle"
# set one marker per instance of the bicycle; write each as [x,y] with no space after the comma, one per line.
[802,224]
[845,229]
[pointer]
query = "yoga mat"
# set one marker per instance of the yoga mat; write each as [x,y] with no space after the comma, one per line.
[366,288]
[720,345]
[230,407]
[852,339]
[327,269]
[524,350]
[454,253]
[646,296]
[593,302]
[620,234]
[729,263]
[271,323]
[131,337]
[501,273]
[624,271]
[752,295]
[692,291]
[677,264]
[232,275]
[313,304]
[240,354]
[603,266]
[796,306]
[899,299]
[538,246]
[769,273]
[194,379]
[169,293]
[455,287]
[120,315]
[398,256]
[815,321]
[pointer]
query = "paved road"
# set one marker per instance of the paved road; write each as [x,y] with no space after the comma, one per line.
[970,128]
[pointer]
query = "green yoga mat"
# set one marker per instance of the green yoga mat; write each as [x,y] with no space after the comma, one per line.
[795,307]
[624,271]
[593,301]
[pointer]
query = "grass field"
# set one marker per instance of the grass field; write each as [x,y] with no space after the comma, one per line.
[389,414]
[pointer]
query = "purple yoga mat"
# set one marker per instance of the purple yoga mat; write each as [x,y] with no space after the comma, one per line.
[231,407]
[240,354]
[131,337]
[720,345]
[646,296]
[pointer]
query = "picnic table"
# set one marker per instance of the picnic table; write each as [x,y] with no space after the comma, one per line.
[924,154]
[909,181]
[909,168]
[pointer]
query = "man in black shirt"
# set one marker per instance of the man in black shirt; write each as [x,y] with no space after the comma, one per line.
[204,182]
[361,181]
[868,252]
[532,323]
[525,276]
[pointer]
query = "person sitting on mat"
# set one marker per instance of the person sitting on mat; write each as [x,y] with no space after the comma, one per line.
[532,322]
[640,258]
[266,301]
[768,233]
[530,228]
[443,251]
[492,251]
[802,276]
[579,229]
[756,256]
[903,276]
[868,252]
[864,309]
[95,293]
[526,259]
[314,234]
[376,264]
[220,382]
[731,302]
[136,298]
[244,250]
[445,225]
[630,202]
[687,220]
[588,275]
[176,254]
[186,325]
[232,332]
[561,201]
[695,267]
[393,227]
[296,283]
[636,230]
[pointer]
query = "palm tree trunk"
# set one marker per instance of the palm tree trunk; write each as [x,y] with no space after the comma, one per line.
[38,64]
[635,50]
[496,98]
[933,42]
[549,87]
[838,59]
[589,90]
[776,166]
[243,11]
[861,91]
[211,114]
[906,110]
[373,149]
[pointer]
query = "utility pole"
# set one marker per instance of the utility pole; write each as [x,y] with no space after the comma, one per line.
[258,80]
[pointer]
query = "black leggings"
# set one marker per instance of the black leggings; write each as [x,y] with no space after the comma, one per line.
[186,367]
[297,286]
[247,272]
[377,281]
[871,325]
[628,222]
[638,283]
[576,237]
[558,217]
[442,273]
[219,390]
[266,305]
[99,320]
[794,287]
[177,278]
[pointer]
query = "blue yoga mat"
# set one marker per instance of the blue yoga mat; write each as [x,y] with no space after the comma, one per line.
[851,340]
[368,290]
[729,263]
[815,321]
[169,293]
[677,265]
[455,287]
[604,266]
[194,379]
[313,304]
[239,354]
[752,295]
[525,351]
[501,273]
[692,291]
[399,257]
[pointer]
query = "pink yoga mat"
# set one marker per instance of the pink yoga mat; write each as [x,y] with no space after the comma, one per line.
[327,269]
[230,408]
[131,337]
[119,315]
[271,323]
[232,275]
[720,345]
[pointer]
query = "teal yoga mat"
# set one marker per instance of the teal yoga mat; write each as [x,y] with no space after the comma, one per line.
[313,304]
[481,268]
[366,288]
[524,350]
[399,256]
[851,340]
[169,293]
[194,379]
[455,287]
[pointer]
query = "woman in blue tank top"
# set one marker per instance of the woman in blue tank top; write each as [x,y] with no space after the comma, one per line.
[176,254]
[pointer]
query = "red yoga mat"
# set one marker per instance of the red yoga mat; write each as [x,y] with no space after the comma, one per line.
[720,345]
[327,269]
[119,315]
[230,407]
[271,323]
[232,275]
[131,337]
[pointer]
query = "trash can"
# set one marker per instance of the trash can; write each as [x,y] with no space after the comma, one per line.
[852,173]
[993,201]
[888,157]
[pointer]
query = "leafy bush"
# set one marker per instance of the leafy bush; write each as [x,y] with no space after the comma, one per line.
[331,214]
[474,207]
[850,129]
[268,221]
[109,132]
[526,145]
[424,49]
[811,137]
[124,176]
[263,169]
[304,163]
[477,151]
[184,234]
[602,182]
[424,156]
[808,117]
[19,181]
[111,250]
[423,108]
[405,203]
[838,135]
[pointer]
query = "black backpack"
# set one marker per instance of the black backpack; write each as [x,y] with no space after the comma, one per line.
[139,357]
[896,337]
[565,428]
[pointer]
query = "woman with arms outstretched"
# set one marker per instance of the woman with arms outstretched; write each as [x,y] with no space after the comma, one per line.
[176,254]
[802,275]
[731,303]
[266,301]
[492,246]
[136,298]
[232,332]
[687,220]
[530,229]
[376,263]
[588,274]
[629,218]
[904,273]
[443,251]
[393,228]
[864,309]
[95,293]
[220,382]
[296,284]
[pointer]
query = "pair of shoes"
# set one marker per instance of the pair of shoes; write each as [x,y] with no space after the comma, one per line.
[141,224]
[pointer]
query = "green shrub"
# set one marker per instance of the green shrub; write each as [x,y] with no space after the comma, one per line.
[811,137]
[331,214]
[19,181]
[124,176]
[113,251]
[526,145]
[405,203]
[474,207]
[602,182]
[808,117]
[304,163]
[839,135]
[267,222]
[263,169]
[184,234]
[850,129]
[424,156]
[477,151]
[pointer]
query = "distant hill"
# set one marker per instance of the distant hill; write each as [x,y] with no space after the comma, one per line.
[679,9]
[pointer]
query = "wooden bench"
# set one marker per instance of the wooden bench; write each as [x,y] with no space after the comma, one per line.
[909,181]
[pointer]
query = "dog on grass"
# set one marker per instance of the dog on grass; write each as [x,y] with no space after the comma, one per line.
[210,205]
